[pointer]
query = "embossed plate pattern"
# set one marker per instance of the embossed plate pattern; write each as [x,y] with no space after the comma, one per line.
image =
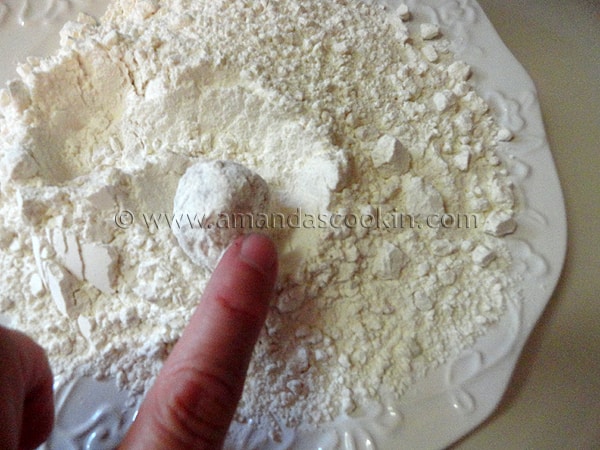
[458,396]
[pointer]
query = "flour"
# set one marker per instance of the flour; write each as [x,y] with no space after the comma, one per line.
[376,135]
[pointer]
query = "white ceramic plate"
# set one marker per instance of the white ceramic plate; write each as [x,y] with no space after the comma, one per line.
[456,397]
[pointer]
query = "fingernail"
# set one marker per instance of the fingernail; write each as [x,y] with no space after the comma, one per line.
[259,251]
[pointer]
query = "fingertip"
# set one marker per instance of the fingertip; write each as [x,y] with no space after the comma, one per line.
[244,279]
[258,250]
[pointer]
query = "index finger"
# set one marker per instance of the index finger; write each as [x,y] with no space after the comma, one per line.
[196,393]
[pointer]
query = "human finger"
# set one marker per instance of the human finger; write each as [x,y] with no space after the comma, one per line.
[196,393]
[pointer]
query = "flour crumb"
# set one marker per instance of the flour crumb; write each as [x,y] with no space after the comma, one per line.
[429,31]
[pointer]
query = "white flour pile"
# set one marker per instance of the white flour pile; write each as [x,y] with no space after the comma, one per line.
[353,124]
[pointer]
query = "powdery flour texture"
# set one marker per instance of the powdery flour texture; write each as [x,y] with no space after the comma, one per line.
[379,177]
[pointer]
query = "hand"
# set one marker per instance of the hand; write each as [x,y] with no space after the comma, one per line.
[26,404]
[195,395]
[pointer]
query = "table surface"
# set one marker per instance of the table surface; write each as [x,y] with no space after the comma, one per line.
[553,400]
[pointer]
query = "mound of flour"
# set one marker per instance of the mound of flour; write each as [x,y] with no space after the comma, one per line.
[388,200]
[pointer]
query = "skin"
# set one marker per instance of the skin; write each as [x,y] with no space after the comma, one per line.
[193,400]
[26,407]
